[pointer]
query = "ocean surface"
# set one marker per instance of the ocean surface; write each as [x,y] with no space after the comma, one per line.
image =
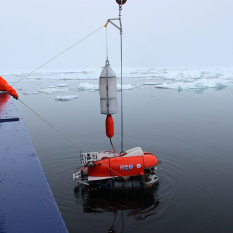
[182,115]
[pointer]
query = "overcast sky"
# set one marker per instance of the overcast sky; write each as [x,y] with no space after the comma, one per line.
[155,33]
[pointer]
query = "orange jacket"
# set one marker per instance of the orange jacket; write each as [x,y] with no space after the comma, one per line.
[4,86]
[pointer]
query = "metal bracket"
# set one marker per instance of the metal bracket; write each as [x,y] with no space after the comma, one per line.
[110,21]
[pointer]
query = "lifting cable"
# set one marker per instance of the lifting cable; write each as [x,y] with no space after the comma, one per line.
[57,55]
[106,41]
[79,145]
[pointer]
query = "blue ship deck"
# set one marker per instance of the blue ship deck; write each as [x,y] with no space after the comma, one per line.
[27,204]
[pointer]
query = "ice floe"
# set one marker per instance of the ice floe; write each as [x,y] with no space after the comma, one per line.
[66,97]
[151,83]
[26,92]
[124,87]
[52,90]
[63,85]
[202,84]
[87,87]
[51,86]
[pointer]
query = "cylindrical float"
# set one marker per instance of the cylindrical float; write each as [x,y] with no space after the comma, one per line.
[109,123]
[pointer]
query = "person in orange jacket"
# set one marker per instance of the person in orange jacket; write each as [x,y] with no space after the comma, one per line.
[4,86]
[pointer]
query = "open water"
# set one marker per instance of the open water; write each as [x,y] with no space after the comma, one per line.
[182,115]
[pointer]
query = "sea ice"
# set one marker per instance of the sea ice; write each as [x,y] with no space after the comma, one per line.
[66,97]
[151,83]
[63,85]
[200,84]
[179,78]
[87,87]
[52,90]
[51,86]
[26,92]
[125,87]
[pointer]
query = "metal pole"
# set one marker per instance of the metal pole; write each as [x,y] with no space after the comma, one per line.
[120,8]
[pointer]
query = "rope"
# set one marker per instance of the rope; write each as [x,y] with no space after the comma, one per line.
[106,43]
[57,55]
[79,145]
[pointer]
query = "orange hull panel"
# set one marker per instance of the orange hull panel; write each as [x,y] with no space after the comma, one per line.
[123,166]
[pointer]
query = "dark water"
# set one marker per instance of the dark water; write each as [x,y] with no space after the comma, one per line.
[191,134]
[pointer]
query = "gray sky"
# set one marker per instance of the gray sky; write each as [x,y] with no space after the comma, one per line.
[155,33]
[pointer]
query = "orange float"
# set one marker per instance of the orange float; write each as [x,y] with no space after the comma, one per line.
[109,123]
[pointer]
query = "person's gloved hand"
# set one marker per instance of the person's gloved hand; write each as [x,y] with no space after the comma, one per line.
[16,97]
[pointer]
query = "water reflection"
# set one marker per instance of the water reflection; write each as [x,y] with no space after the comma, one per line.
[137,203]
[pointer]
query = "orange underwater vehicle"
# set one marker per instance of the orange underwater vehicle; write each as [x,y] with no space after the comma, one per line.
[108,169]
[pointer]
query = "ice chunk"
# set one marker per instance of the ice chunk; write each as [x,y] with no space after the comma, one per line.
[151,83]
[52,90]
[87,87]
[125,87]
[26,92]
[51,86]
[36,92]
[66,97]
[63,85]
[200,84]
